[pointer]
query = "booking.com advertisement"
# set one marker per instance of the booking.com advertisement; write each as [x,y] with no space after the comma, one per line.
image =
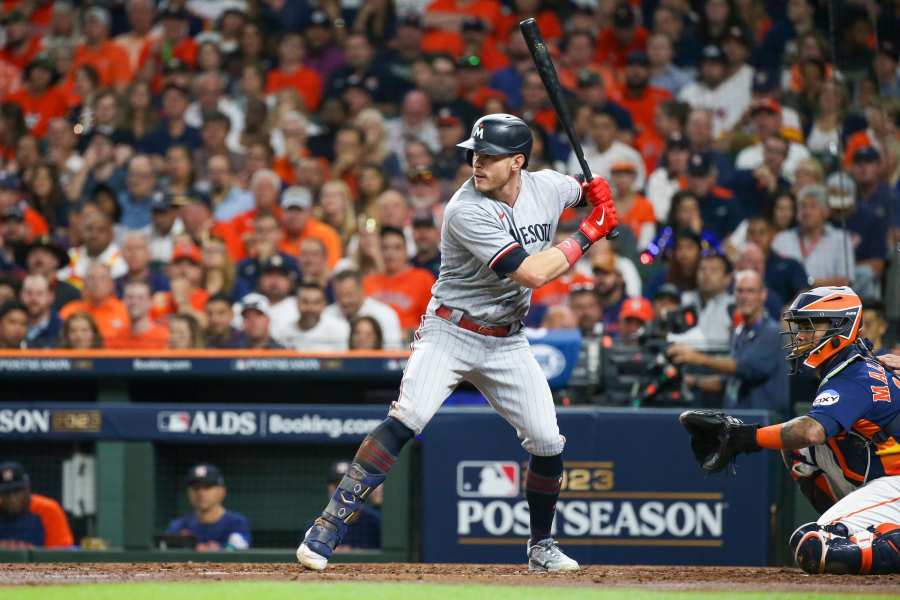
[631,492]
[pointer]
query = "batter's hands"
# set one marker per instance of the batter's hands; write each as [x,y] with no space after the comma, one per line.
[597,191]
[600,222]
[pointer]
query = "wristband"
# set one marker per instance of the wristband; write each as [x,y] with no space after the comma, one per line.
[574,247]
[770,437]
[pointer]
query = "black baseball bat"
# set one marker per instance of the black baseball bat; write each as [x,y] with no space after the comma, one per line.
[547,71]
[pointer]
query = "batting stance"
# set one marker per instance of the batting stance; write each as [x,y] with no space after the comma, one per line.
[844,453]
[496,247]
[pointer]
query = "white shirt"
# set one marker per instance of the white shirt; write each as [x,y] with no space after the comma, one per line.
[752,158]
[80,263]
[832,256]
[385,315]
[399,133]
[660,189]
[727,102]
[328,335]
[714,324]
[282,316]
[601,162]
[161,246]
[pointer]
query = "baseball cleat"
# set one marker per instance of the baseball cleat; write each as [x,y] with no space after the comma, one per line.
[310,559]
[546,557]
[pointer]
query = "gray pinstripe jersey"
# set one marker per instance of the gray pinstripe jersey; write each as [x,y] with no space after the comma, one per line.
[478,232]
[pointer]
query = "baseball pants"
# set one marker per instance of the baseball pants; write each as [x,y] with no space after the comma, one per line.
[502,368]
[875,503]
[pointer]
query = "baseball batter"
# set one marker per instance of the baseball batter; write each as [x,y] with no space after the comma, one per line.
[496,246]
[844,453]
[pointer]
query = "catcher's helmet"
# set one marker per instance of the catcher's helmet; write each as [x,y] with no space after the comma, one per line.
[498,134]
[838,308]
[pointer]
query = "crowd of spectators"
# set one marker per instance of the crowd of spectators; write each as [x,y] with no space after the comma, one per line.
[268,174]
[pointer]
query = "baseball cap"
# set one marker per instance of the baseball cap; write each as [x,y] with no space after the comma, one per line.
[187,252]
[765,105]
[699,164]
[738,34]
[588,78]
[424,218]
[319,18]
[866,154]
[623,16]
[296,197]
[668,290]
[764,82]
[12,477]
[677,139]
[446,117]
[256,302]
[205,474]
[637,308]
[473,24]
[637,57]
[275,263]
[712,52]
[46,242]
[160,202]
[605,262]
[623,165]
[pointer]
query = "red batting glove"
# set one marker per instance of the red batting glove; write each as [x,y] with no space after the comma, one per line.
[600,222]
[597,191]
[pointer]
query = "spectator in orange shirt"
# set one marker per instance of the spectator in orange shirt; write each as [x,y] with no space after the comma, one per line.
[112,62]
[174,46]
[141,16]
[27,519]
[186,277]
[578,57]
[21,46]
[404,288]
[291,72]
[634,209]
[639,97]
[448,15]
[144,334]
[299,224]
[477,42]
[99,301]
[40,103]
[614,43]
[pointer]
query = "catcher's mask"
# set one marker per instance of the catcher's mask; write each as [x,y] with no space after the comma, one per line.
[833,312]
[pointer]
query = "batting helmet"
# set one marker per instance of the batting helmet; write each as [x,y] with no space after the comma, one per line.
[838,309]
[498,134]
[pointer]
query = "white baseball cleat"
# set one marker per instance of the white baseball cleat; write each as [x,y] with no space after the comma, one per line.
[546,557]
[311,560]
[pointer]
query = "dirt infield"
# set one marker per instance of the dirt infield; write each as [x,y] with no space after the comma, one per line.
[662,578]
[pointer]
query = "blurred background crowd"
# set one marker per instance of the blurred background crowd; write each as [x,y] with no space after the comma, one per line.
[271,174]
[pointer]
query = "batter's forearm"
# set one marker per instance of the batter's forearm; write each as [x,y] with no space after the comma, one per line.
[541,268]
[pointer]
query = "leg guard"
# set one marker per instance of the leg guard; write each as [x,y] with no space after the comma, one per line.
[343,510]
[876,551]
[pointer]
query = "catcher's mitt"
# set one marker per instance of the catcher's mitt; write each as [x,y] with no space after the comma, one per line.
[716,437]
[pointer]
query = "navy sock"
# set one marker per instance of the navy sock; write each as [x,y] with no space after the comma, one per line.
[380,449]
[542,490]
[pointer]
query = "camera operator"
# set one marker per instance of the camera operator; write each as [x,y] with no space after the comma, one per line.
[713,304]
[756,372]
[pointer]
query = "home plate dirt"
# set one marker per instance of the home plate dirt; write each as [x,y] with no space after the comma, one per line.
[663,578]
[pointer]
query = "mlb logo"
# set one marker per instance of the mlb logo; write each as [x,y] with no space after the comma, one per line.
[487,479]
[173,422]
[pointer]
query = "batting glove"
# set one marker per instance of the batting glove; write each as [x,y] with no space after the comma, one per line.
[600,222]
[597,191]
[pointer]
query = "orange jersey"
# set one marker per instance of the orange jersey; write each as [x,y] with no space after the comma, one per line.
[41,15]
[111,61]
[643,108]
[39,110]
[305,81]
[110,315]
[557,291]
[323,232]
[490,11]
[24,55]
[164,305]
[37,224]
[611,52]
[640,213]
[407,292]
[547,22]
[155,338]
[56,527]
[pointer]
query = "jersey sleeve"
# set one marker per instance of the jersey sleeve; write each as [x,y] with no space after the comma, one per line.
[482,233]
[842,401]
[564,187]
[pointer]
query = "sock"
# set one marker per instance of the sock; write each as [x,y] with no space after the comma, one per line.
[542,490]
[379,451]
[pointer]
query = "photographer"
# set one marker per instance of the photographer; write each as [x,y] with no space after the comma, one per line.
[712,301]
[756,373]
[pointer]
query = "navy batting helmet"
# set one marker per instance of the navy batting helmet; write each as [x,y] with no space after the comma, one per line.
[498,134]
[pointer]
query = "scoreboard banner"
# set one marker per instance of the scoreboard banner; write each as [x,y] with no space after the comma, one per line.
[631,492]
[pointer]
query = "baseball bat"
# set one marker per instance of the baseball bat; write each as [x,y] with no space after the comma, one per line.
[547,71]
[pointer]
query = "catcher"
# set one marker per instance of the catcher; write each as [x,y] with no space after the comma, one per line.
[844,453]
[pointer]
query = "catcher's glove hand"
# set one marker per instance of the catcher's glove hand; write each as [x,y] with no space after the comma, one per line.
[716,437]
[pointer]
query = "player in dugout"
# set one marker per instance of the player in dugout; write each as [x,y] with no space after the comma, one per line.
[844,453]
[27,519]
[213,526]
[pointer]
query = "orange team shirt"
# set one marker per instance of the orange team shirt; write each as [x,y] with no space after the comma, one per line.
[407,292]
[41,15]
[39,110]
[21,58]
[557,291]
[547,22]
[37,224]
[111,61]
[243,223]
[610,52]
[489,10]
[651,147]
[568,78]
[164,305]
[642,109]
[320,231]
[303,79]
[640,213]
[155,338]
[56,527]
[110,315]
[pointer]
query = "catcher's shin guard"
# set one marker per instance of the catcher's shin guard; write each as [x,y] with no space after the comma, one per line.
[876,552]
[342,511]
